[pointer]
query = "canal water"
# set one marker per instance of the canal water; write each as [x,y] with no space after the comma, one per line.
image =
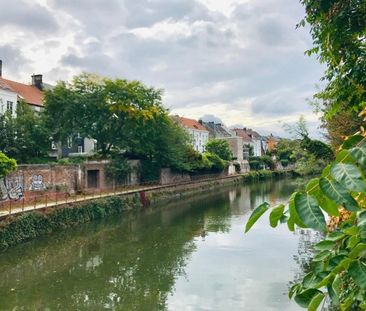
[189,255]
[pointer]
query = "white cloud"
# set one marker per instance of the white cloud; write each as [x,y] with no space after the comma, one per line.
[240,60]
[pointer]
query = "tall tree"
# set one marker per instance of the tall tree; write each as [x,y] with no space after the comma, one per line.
[26,136]
[103,109]
[221,148]
[338,30]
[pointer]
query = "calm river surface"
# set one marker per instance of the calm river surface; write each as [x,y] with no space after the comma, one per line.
[190,255]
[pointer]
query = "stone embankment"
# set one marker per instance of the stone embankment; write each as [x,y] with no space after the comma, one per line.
[23,226]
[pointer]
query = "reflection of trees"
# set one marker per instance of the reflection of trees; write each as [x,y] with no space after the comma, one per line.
[305,252]
[124,265]
[127,263]
[130,266]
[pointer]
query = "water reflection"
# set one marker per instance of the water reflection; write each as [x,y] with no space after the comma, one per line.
[190,255]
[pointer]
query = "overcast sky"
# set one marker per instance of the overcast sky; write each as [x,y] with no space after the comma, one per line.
[240,61]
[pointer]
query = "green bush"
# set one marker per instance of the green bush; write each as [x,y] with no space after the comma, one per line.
[218,164]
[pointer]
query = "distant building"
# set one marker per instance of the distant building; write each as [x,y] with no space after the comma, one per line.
[220,131]
[198,132]
[217,130]
[252,138]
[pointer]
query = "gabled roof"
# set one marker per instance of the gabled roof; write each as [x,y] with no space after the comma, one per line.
[192,124]
[243,134]
[217,130]
[30,94]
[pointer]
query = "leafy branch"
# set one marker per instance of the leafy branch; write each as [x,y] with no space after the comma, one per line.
[338,269]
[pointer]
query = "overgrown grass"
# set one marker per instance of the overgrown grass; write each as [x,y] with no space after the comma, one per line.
[16,230]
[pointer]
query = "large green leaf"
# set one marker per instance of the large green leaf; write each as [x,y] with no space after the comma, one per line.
[294,217]
[325,245]
[337,286]
[312,187]
[309,211]
[349,175]
[357,271]
[326,204]
[359,154]
[275,215]
[337,193]
[344,156]
[352,141]
[256,214]
[315,302]
[361,218]
[304,298]
[358,250]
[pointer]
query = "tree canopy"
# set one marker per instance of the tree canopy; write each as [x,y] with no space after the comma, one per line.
[25,137]
[220,147]
[110,111]
[338,30]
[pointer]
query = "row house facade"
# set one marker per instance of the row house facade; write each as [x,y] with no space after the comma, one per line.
[199,134]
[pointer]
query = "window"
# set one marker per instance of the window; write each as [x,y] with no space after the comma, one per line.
[80,149]
[69,142]
[9,106]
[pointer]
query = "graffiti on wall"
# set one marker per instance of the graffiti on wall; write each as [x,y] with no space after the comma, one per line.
[11,188]
[37,183]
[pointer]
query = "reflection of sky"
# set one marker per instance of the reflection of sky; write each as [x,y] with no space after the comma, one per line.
[233,271]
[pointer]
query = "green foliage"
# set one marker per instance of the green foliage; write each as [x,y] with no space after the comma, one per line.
[221,148]
[26,136]
[118,169]
[338,269]
[338,29]
[317,148]
[265,161]
[110,111]
[218,164]
[264,174]
[6,165]
[31,225]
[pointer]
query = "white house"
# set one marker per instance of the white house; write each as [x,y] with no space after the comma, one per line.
[8,99]
[197,131]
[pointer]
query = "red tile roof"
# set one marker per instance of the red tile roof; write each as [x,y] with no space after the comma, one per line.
[30,94]
[192,124]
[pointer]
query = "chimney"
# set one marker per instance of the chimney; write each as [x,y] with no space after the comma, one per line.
[37,81]
[1,68]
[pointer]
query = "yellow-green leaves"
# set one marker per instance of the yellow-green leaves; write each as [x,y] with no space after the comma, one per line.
[256,214]
[276,215]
